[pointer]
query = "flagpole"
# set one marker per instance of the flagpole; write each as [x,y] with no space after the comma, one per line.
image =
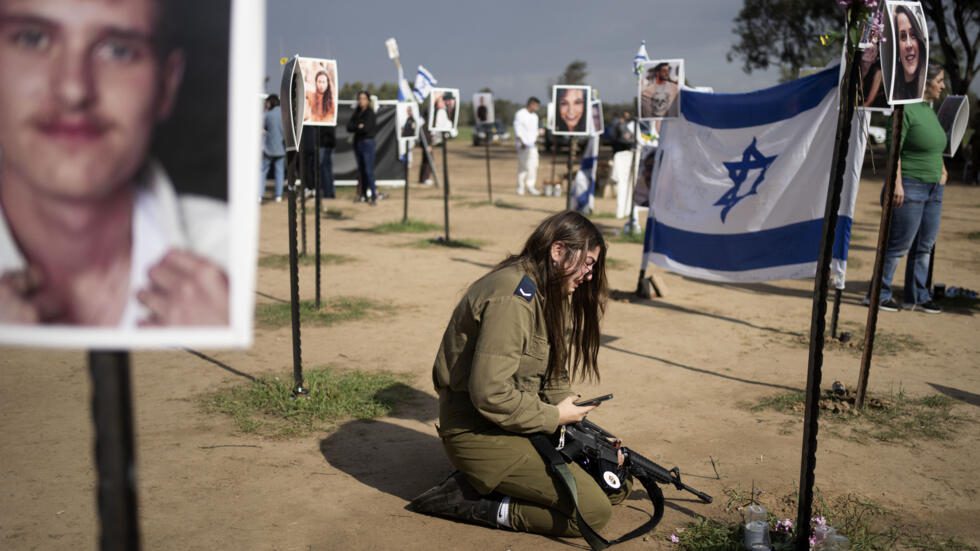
[848,98]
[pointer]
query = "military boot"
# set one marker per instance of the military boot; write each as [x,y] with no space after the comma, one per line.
[456,499]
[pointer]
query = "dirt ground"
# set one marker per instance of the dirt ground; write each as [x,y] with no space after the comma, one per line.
[682,369]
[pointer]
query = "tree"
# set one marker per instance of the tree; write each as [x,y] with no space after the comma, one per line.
[574,73]
[786,33]
[385,90]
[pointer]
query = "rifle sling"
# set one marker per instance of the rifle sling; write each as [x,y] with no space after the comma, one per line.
[556,462]
[559,465]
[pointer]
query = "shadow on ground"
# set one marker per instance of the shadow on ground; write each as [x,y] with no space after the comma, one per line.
[631,297]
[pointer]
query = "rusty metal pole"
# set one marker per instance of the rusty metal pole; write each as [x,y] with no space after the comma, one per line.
[884,227]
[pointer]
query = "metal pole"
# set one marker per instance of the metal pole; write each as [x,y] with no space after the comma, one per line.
[405,203]
[884,227]
[808,461]
[445,177]
[302,196]
[489,186]
[319,209]
[835,314]
[572,143]
[112,414]
[298,388]
[633,225]
[932,263]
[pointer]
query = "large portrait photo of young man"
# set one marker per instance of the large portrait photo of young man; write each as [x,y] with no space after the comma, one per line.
[116,153]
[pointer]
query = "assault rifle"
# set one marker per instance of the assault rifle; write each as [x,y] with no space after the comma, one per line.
[596,450]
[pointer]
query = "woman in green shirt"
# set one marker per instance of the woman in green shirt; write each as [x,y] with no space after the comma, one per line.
[918,196]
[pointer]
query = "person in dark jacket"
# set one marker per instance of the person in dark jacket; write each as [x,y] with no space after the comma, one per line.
[328,140]
[363,127]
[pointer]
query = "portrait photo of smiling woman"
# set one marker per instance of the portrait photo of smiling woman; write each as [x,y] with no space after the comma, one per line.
[116,130]
[907,34]
[572,106]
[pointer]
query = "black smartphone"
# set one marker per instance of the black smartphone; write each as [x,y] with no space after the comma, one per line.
[594,401]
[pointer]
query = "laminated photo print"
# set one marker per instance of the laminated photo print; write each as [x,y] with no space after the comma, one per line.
[120,226]
[571,109]
[483,108]
[907,43]
[954,116]
[596,125]
[443,109]
[320,91]
[659,94]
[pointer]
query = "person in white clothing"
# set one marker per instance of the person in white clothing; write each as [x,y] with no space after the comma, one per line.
[92,232]
[526,133]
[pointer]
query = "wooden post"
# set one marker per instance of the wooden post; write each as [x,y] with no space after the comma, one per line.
[884,227]
[848,98]
[319,209]
[572,146]
[405,201]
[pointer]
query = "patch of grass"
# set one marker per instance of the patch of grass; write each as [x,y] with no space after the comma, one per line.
[886,342]
[501,204]
[603,215]
[616,264]
[868,525]
[335,214]
[411,226]
[895,418]
[623,237]
[266,406]
[332,310]
[973,235]
[474,244]
[281,261]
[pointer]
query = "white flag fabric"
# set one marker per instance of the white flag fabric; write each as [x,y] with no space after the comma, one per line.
[584,189]
[740,183]
[424,81]
[640,58]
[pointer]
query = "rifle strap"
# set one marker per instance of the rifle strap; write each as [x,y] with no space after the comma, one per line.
[556,462]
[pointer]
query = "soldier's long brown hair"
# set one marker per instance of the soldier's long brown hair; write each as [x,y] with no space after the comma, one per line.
[572,322]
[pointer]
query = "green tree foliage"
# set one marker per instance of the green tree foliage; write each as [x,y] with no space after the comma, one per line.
[785,33]
[574,73]
[385,90]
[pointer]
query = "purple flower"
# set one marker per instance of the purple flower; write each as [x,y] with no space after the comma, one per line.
[819,521]
[785,525]
[674,538]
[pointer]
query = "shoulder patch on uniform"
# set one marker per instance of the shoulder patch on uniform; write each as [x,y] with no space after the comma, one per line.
[526,289]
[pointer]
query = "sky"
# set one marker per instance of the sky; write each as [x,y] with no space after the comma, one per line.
[514,47]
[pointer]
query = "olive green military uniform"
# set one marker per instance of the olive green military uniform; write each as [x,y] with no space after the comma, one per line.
[489,375]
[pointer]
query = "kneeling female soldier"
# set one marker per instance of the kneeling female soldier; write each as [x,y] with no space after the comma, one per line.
[514,342]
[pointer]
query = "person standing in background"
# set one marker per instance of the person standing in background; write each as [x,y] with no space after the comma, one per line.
[362,125]
[526,133]
[917,198]
[273,146]
[328,140]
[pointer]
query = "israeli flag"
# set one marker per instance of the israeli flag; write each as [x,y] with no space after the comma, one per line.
[424,81]
[640,58]
[584,189]
[740,183]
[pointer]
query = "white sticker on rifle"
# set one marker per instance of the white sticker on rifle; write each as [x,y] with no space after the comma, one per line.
[611,479]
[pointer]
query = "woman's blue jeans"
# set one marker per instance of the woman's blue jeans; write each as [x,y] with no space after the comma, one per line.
[364,152]
[916,221]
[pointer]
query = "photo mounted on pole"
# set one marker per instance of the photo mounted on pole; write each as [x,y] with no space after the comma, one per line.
[167,256]
[660,89]
[572,105]
[444,110]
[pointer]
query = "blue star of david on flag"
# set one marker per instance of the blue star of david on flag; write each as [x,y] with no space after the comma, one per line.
[752,159]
